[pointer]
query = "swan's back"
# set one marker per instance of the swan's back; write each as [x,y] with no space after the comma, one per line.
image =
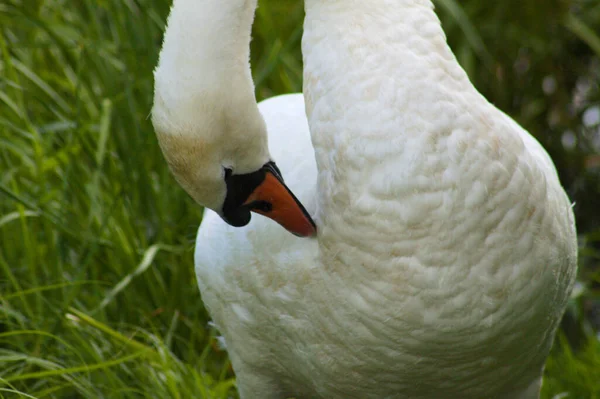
[471,307]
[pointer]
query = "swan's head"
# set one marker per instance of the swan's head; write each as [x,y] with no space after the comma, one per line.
[218,152]
[208,123]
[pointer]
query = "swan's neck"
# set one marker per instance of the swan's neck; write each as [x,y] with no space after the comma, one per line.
[377,77]
[216,28]
[204,62]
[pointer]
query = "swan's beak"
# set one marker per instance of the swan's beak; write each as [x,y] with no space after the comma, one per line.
[274,200]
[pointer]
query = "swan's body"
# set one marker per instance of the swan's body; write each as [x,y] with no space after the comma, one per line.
[446,248]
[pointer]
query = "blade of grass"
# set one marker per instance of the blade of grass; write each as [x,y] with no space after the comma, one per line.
[584,32]
[80,369]
[145,263]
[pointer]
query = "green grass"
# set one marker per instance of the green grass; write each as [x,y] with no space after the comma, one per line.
[97,293]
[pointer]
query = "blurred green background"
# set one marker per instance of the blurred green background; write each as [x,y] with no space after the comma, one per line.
[97,293]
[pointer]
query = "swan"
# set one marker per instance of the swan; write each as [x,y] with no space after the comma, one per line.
[433,248]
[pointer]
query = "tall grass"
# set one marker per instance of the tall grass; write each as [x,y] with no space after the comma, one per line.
[98,297]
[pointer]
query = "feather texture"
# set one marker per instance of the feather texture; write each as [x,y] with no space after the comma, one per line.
[446,249]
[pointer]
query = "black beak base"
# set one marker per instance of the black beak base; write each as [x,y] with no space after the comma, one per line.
[239,188]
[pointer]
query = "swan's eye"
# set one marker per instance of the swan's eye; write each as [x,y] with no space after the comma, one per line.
[261,206]
[228,173]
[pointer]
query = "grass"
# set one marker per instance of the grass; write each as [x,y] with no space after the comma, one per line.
[97,293]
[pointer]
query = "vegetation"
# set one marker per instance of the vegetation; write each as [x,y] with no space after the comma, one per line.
[97,293]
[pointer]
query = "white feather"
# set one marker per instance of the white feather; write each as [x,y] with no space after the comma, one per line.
[446,248]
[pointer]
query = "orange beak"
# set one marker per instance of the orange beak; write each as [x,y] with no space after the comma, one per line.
[281,206]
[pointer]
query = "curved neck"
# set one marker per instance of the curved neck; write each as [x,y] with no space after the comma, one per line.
[205,58]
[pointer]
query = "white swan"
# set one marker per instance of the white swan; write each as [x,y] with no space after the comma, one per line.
[446,246]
